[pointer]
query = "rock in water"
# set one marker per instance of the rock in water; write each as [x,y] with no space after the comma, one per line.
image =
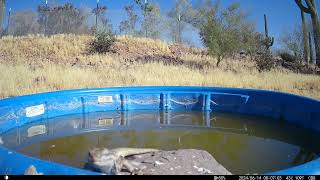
[32,171]
[181,162]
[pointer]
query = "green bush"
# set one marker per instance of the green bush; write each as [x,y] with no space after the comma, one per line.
[102,42]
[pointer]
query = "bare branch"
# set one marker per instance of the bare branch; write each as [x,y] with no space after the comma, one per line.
[310,5]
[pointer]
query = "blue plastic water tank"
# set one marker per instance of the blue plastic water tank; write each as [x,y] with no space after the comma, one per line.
[18,111]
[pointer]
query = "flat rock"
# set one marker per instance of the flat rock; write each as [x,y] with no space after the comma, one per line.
[180,162]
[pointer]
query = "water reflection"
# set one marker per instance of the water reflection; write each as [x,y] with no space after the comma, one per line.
[242,144]
[303,156]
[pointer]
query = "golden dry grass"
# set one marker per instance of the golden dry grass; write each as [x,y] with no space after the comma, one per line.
[37,64]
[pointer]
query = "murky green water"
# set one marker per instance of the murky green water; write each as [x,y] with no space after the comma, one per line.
[242,144]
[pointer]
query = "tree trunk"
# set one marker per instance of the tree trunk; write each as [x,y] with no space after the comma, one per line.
[219,61]
[306,50]
[316,31]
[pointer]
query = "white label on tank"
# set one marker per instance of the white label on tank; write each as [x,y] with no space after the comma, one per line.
[36,130]
[75,124]
[105,122]
[105,99]
[35,110]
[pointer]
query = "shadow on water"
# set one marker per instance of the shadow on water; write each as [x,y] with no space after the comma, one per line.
[243,144]
[303,156]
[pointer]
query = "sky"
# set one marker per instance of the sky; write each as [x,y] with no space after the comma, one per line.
[283,15]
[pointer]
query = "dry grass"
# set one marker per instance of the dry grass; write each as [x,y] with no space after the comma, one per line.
[37,64]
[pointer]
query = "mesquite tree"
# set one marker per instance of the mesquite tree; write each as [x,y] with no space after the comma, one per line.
[179,15]
[129,26]
[227,34]
[151,23]
[147,9]
[311,9]
[62,19]
[24,23]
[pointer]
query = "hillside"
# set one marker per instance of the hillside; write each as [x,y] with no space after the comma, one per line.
[35,64]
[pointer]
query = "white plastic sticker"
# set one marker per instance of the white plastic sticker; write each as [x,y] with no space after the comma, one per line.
[75,124]
[35,110]
[105,122]
[105,99]
[36,130]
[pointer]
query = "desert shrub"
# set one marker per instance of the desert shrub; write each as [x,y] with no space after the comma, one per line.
[264,61]
[102,42]
[288,57]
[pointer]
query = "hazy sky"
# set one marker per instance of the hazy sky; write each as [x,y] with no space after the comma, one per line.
[282,14]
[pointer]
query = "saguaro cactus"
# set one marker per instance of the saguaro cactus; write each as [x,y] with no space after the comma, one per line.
[179,38]
[98,11]
[268,41]
[2,13]
[311,50]
[312,10]
[306,50]
[9,20]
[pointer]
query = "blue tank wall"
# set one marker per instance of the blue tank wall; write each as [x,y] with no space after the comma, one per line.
[302,111]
